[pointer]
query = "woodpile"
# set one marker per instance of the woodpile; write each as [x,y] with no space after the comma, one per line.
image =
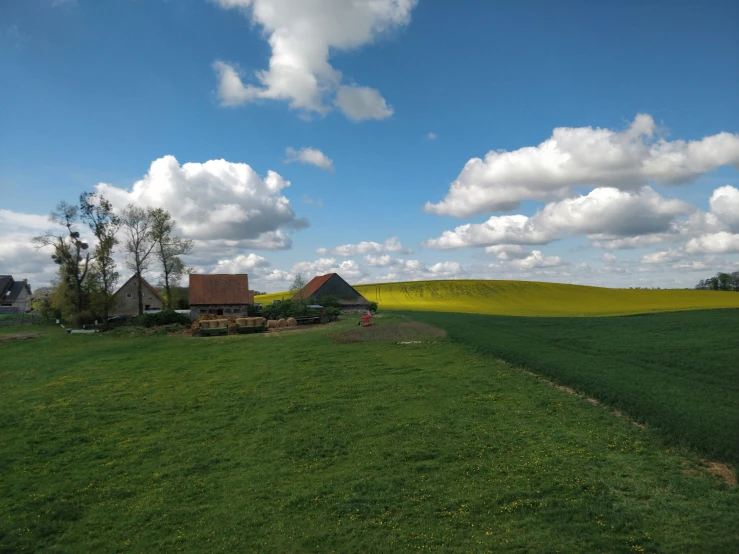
[232,323]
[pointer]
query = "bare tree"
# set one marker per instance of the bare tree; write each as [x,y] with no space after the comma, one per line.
[168,249]
[97,212]
[136,224]
[71,253]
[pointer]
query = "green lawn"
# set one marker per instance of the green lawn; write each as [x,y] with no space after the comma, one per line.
[677,371]
[308,442]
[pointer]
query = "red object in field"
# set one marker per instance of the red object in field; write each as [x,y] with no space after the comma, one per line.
[366,320]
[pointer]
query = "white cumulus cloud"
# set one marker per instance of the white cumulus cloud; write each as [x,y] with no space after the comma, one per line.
[603,214]
[507,251]
[302,35]
[536,260]
[311,156]
[724,203]
[348,269]
[586,157]
[392,245]
[362,103]
[722,242]
[217,203]
[241,264]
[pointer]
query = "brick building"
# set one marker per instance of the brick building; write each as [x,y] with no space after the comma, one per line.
[226,295]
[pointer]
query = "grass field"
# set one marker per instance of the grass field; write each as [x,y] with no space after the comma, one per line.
[329,440]
[677,371]
[526,298]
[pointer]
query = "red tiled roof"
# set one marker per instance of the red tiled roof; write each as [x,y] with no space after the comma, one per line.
[310,289]
[219,289]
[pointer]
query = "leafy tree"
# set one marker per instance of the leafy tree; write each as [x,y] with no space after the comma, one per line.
[298,283]
[71,253]
[97,213]
[724,281]
[168,250]
[136,224]
[373,306]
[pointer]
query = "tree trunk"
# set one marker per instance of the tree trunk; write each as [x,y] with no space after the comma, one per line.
[106,298]
[166,276]
[140,296]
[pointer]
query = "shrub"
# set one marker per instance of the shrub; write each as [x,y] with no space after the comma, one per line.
[330,301]
[165,317]
[373,307]
[332,313]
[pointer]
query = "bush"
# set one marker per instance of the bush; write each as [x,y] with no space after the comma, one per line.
[332,313]
[330,301]
[165,317]
[373,307]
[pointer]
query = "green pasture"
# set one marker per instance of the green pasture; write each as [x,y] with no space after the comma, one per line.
[330,440]
[676,371]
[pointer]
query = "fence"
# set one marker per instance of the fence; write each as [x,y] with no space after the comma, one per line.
[21,319]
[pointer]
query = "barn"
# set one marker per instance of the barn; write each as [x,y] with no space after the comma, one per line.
[126,298]
[332,284]
[226,295]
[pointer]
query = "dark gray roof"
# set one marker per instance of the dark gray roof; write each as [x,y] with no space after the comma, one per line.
[5,282]
[11,293]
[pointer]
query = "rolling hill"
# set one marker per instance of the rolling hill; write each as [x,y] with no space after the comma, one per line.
[527,298]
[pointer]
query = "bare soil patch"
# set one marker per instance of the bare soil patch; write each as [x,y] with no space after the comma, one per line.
[721,471]
[19,336]
[397,332]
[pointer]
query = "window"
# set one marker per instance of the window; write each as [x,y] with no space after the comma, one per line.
[129,295]
[219,312]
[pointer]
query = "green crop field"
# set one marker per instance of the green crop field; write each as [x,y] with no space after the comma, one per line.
[335,439]
[677,371]
[529,298]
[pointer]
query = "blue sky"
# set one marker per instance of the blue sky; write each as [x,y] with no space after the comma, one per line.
[95,92]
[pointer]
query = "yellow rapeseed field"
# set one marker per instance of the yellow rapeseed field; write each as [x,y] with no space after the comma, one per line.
[526,298]
[269,298]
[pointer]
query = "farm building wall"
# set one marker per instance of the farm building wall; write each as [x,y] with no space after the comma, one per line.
[234,310]
[126,300]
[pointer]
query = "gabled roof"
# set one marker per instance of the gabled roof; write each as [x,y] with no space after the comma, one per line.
[219,289]
[10,289]
[6,281]
[143,283]
[310,289]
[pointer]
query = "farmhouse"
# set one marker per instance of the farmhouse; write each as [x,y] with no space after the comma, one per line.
[220,295]
[15,296]
[332,284]
[126,302]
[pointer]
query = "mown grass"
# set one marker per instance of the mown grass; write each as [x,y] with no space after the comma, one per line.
[294,443]
[676,371]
